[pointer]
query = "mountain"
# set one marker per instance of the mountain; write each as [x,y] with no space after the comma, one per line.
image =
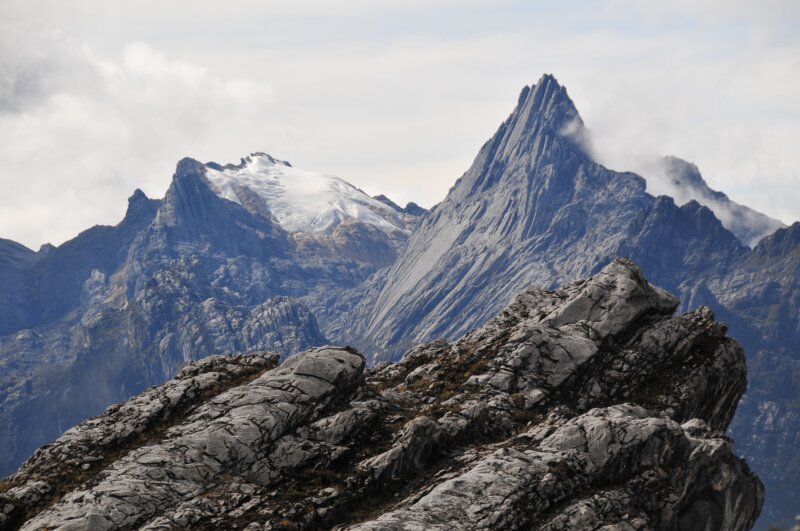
[260,255]
[232,259]
[588,407]
[761,297]
[535,209]
[15,259]
[322,212]
[682,181]
[532,209]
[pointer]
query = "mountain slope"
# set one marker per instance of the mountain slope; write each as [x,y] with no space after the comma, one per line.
[762,298]
[15,259]
[585,407]
[534,208]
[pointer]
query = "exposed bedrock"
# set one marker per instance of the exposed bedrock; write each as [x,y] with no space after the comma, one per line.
[589,407]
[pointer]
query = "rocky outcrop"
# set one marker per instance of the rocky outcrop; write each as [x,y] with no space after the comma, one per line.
[591,406]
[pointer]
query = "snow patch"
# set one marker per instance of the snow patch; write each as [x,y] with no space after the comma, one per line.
[300,201]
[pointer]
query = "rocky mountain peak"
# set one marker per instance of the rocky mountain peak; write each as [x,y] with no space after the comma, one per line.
[137,197]
[414,209]
[46,248]
[139,205]
[257,157]
[543,109]
[188,167]
[411,214]
[193,213]
[388,202]
[683,172]
[544,129]
[556,212]
[266,158]
[410,208]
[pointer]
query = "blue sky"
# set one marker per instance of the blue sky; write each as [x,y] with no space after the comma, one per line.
[98,98]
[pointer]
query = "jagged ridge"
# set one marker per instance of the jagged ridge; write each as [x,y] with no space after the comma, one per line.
[576,408]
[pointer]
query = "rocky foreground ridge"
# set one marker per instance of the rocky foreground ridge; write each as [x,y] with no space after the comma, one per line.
[588,406]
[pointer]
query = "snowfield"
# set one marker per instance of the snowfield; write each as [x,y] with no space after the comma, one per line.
[301,201]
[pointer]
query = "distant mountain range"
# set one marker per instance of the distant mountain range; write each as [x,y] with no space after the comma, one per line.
[218,266]
[262,256]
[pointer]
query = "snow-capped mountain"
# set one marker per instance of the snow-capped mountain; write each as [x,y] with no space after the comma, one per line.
[298,200]
[233,258]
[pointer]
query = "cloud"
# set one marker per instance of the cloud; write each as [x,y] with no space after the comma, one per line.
[99,98]
[734,116]
[33,61]
[87,142]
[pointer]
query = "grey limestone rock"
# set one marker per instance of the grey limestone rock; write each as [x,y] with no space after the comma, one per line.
[591,406]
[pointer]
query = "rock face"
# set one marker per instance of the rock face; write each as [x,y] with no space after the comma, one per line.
[587,407]
[118,309]
[535,208]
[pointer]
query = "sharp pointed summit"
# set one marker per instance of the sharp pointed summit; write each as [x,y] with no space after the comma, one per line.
[544,128]
[544,108]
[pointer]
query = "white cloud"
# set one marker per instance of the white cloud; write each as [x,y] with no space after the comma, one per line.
[73,158]
[396,97]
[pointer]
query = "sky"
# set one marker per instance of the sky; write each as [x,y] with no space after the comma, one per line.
[100,97]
